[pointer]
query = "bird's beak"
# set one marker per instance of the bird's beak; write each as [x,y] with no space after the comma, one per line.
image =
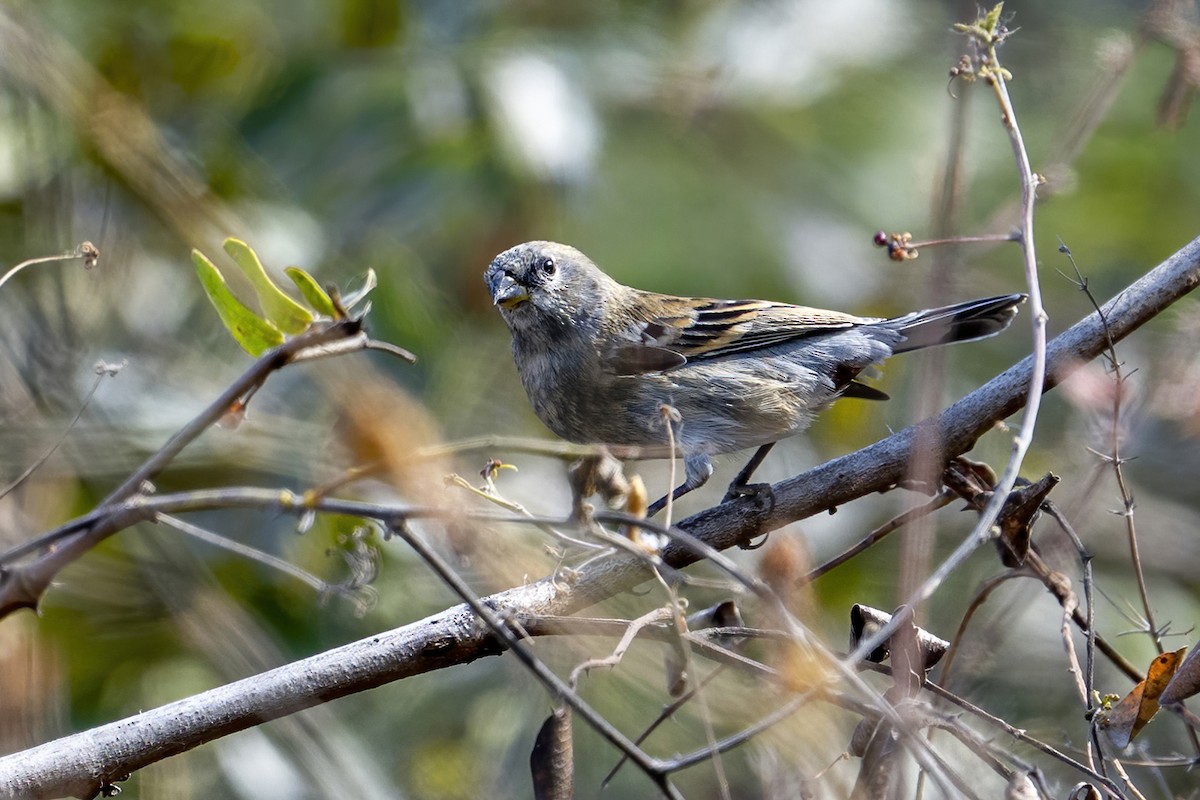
[506,292]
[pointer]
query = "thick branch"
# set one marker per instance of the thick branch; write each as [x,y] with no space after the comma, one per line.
[79,764]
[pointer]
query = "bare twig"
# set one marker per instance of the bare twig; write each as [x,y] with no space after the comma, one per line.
[1022,736]
[632,629]
[250,553]
[989,32]
[87,251]
[103,370]
[981,596]
[1085,559]
[741,737]
[942,500]
[667,712]
[490,494]
[1114,457]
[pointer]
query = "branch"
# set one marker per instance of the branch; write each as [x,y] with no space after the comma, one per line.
[22,585]
[82,763]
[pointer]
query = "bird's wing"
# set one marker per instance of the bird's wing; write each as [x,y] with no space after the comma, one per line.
[672,331]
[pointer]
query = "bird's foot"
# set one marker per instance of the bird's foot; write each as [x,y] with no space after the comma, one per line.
[761,492]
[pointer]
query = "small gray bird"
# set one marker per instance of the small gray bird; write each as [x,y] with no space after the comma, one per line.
[599,359]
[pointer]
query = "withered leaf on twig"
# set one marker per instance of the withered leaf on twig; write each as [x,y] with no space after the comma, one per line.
[1186,681]
[865,621]
[552,761]
[1125,720]
[1017,518]
[974,482]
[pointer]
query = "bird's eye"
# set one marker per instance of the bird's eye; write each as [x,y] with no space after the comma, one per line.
[547,266]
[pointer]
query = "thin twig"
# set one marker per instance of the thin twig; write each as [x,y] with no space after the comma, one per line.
[940,501]
[1085,559]
[1068,638]
[1120,770]
[602,627]
[493,496]
[990,34]
[1114,457]
[981,595]
[249,381]
[665,714]
[632,629]
[87,251]
[103,370]
[741,737]
[1021,735]
[245,551]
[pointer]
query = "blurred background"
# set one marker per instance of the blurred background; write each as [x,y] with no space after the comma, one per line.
[719,148]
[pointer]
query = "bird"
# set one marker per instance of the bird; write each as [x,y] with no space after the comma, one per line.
[600,361]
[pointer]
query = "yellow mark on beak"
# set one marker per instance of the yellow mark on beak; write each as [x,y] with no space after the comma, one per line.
[507,293]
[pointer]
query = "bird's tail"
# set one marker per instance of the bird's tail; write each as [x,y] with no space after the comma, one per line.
[961,322]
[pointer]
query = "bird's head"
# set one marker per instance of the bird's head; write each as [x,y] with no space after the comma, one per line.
[546,286]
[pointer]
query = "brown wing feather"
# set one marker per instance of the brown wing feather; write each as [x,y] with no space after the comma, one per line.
[698,329]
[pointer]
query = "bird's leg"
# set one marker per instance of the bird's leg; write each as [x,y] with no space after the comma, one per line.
[661,503]
[741,486]
[698,469]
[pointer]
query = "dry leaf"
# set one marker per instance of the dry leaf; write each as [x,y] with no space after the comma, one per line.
[865,621]
[1186,681]
[1125,720]
[1018,516]
[552,761]
[783,565]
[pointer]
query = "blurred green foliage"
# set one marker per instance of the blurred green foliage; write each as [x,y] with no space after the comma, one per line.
[712,148]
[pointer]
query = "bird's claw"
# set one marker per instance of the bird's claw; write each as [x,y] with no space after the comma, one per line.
[761,492]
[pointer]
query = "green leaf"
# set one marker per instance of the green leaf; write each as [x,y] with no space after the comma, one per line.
[993,18]
[255,334]
[314,295]
[288,315]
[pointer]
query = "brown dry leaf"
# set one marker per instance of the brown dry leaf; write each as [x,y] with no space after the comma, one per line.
[636,504]
[381,424]
[1125,720]
[1017,518]
[783,565]
[552,761]
[866,621]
